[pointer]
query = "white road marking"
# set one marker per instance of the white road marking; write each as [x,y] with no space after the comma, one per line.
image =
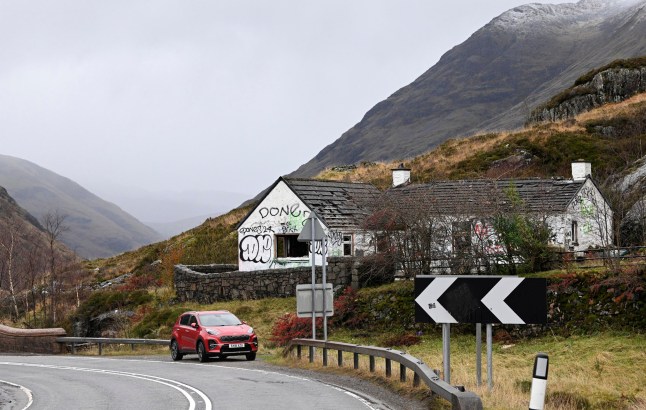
[349,393]
[25,390]
[167,382]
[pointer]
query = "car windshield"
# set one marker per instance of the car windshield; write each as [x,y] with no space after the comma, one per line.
[219,319]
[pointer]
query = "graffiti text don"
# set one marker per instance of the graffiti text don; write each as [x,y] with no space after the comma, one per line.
[287,210]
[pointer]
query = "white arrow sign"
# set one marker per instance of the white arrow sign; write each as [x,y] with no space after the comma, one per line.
[495,301]
[427,300]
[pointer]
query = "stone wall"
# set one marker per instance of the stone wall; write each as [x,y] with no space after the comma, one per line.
[212,283]
[30,340]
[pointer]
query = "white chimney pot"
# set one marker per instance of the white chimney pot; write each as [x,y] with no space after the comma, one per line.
[401,175]
[581,170]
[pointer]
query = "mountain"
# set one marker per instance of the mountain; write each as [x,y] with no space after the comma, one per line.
[493,80]
[97,228]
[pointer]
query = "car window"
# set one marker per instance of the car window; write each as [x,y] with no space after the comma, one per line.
[219,319]
[184,320]
[192,320]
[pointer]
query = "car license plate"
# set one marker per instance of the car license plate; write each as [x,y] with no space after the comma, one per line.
[236,345]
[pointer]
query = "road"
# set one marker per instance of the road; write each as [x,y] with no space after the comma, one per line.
[82,382]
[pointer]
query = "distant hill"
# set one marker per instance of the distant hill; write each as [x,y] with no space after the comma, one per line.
[493,80]
[97,228]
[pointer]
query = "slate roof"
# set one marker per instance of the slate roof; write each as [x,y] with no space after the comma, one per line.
[343,205]
[484,196]
[338,204]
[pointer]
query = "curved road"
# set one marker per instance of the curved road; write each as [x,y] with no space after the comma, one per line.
[82,382]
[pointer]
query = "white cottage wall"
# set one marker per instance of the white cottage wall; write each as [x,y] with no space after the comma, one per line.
[281,212]
[593,218]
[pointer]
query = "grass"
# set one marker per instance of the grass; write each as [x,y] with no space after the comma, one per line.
[600,371]
[603,371]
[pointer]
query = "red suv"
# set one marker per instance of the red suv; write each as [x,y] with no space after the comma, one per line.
[215,333]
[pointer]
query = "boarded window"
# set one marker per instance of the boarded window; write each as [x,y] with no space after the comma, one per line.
[287,246]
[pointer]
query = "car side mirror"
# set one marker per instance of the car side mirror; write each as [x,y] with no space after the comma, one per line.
[194,325]
[244,322]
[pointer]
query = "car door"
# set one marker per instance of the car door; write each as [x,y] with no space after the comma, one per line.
[184,333]
[191,333]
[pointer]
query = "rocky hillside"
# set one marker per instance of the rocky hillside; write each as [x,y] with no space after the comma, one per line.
[97,228]
[10,212]
[612,83]
[493,80]
[27,234]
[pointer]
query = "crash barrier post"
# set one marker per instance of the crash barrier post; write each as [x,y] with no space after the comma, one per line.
[460,400]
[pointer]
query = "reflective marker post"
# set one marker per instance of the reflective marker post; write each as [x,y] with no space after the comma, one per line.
[539,382]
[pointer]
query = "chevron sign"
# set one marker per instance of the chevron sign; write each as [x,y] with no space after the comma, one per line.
[480,299]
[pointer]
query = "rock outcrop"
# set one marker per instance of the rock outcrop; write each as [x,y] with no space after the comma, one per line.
[606,86]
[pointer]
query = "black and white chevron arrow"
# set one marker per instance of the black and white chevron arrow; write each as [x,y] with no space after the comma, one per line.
[480,299]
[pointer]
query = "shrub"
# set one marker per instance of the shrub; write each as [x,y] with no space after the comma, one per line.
[104,301]
[140,281]
[158,323]
[347,310]
[289,326]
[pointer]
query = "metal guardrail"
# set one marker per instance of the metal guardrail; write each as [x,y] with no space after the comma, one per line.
[73,341]
[460,400]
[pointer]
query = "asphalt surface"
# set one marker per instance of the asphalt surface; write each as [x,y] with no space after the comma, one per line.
[83,382]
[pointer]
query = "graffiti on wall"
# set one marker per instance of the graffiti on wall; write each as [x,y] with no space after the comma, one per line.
[256,245]
[256,229]
[256,248]
[292,210]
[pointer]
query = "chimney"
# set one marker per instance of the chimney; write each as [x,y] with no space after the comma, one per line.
[401,175]
[581,170]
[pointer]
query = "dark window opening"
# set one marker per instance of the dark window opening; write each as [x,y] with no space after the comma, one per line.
[347,245]
[287,246]
[461,232]
[383,243]
[575,233]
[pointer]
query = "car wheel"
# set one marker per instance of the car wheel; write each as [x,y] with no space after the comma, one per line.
[174,351]
[201,352]
[251,356]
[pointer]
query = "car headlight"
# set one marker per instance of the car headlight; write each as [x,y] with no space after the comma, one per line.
[250,330]
[213,332]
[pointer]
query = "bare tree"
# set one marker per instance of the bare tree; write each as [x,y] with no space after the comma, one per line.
[8,241]
[53,223]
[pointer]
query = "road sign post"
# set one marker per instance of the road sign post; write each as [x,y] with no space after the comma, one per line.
[313,232]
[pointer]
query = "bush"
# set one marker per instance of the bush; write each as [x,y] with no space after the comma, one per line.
[158,323]
[289,326]
[347,310]
[140,281]
[105,301]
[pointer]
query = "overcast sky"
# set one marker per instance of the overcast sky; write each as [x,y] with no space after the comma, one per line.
[207,95]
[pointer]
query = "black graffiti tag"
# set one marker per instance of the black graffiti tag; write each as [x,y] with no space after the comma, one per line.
[287,210]
[256,248]
[257,229]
